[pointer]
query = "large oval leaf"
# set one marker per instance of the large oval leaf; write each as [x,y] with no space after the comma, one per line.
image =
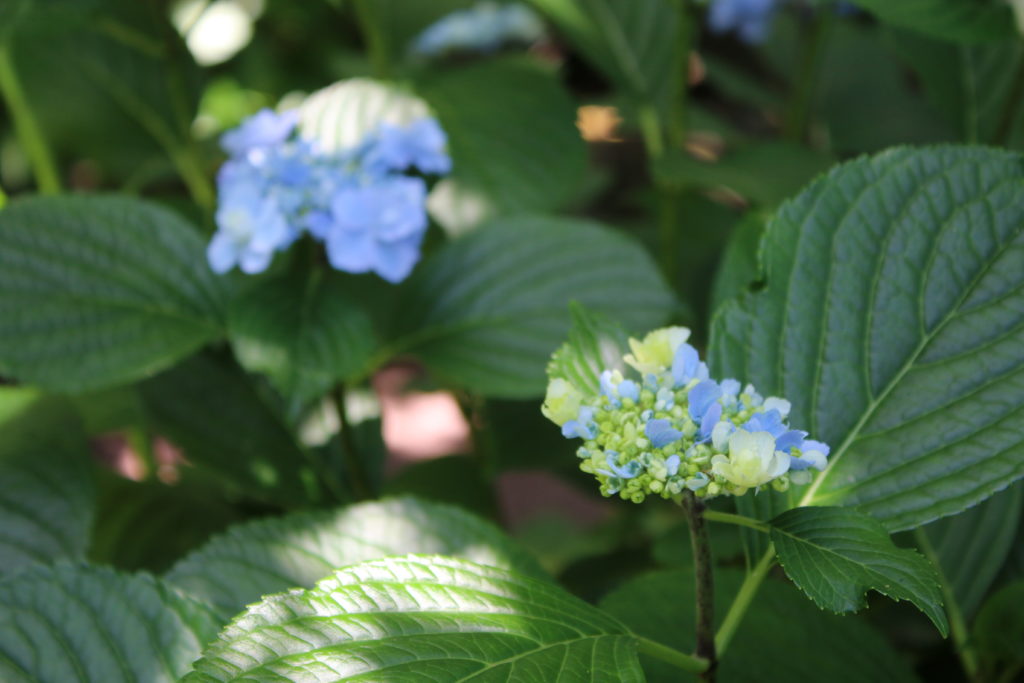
[427,618]
[97,291]
[783,637]
[46,488]
[266,556]
[74,622]
[486,311]
[893,319]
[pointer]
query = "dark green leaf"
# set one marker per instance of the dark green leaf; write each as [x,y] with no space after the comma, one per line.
[75,622]
[999,628]
[835,555]
[266,556]
[892,320]
[212,411]
[509,154]
[432,618]
[781,638]
[97,291]
[971,547]
[634,42]
[967,21]
[454,479]
[303,331]
[486,311]
[46,487]
[739,268]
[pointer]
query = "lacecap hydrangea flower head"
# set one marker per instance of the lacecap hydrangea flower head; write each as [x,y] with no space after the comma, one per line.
[361,202]
[485,27]
[669,427]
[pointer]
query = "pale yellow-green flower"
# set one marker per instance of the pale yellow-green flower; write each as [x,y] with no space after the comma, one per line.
[752,460]
[655,353]
[562,402]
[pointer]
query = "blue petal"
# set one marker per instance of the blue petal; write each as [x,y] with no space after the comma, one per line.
[702,396]
[708,421]
[395,260]
[798,464]
[629,389]
[672,465]
[787,441]
[627,471]
[684,364]
[661,433]
[770,421]
[222,252]
[607,390]
[810,445]
[730,387]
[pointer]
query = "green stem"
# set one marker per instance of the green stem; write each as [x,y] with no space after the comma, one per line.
[376,39]
[957,625]
[742,600]
[1005,128]
[740,520]
[3,198]
[678,659]
[190,168]
[359,482]
[29,133]
[703,581]
[802,95]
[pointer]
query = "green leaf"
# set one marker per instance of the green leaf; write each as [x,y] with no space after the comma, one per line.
[509,154]
[75,622]
[781,638]
[487,310]
[739,268]
[212,411]
[437,618]
[999,628]
[835,555]
[46,487]
[892,320]
[303,331]
[970,548]
[98,291]
[971,85]
[966,21]
[453,479]
[763,173]
[634,42]
[595,343]
[399,21]
[267,556]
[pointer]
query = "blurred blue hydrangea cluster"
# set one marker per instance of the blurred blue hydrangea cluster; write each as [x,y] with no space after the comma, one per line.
[369,214]
[483,28]
[673,428]
[750,19]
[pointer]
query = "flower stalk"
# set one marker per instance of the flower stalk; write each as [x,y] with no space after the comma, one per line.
[704,582]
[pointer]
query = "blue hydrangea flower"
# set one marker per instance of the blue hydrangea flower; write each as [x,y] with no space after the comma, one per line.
[420,144]
[627,471]
[250,228]
[483,28]
[702,396]
[378,227]
[265,128]
[583,427]
[661,433]
[750,19]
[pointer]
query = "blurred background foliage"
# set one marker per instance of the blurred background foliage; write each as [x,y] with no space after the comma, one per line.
[132,96]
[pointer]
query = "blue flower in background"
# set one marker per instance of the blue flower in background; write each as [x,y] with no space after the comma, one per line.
[265,128]
[421,144]
[750,19]
[378,227]
[483,28]
[277,186]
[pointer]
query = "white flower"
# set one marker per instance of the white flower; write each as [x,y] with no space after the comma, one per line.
[562,402]
[656,352]
[752,459]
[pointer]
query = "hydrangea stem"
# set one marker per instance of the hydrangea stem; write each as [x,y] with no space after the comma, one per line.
[739,520]
[376,39]
[704,582]
[957,625]
[29,134]
[743,599]
[812,43]
[678,659]
[358,480]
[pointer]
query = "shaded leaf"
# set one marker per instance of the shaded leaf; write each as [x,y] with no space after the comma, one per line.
[98,291]
[835,555]
[595,344]
[76,622]
[266,556]
[487,310]
[968,21]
